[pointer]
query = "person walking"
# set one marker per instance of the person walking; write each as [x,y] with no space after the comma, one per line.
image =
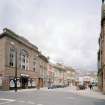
[90,86]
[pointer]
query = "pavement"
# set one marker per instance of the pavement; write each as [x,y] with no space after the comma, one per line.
[87,92]
[44,96]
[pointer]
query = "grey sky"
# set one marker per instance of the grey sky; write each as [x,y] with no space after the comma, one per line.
[65,30]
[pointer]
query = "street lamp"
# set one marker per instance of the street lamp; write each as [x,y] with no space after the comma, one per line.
[15,70]
[15,78]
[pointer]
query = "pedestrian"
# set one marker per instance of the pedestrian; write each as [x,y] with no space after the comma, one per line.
[49,85]
[90,86]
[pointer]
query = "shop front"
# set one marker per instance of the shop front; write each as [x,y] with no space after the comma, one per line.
[23,82]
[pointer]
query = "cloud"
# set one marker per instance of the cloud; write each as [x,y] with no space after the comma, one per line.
[65,30]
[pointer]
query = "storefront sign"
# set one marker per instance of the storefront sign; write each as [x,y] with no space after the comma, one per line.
[24,75]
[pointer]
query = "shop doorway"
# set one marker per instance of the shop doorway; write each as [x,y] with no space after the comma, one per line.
[24,82]
[40,83]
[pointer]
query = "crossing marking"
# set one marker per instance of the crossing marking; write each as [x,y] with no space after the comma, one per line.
[29,102]
[6,101]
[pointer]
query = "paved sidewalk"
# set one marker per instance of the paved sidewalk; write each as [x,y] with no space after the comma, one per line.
[86,92]
[90,93]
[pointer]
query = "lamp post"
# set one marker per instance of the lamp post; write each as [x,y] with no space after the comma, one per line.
[39,79]
[15,70]
[15,78]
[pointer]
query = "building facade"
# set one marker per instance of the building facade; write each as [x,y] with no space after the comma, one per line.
[101,52]
[58,75]
[43,64]
[50,74]
[19,62]
[61,75]
[70,76]
[86,78]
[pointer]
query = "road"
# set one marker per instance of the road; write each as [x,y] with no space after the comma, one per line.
[40,97]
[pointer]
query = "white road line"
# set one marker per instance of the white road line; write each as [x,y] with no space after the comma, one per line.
[10,100]
[29,102]
[7,101]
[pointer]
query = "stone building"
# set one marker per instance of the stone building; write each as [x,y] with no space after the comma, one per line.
[101,52]
[50,74]
[70,76]
[19,61]
[61,75]
[43,64]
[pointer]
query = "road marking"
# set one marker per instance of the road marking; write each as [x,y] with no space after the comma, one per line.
[10,100]
[7,101]
[29,102]
[13,100]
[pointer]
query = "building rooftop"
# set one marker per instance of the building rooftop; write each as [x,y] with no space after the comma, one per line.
[7,32]
[43,57]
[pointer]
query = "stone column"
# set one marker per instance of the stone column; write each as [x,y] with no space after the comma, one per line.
[104,80]
[5,83]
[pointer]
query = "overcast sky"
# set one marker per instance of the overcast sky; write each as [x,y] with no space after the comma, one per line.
[65,30]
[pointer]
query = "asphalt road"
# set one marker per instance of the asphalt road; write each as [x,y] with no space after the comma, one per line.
[40,97]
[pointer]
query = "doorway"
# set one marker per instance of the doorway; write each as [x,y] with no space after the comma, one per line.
[24,82]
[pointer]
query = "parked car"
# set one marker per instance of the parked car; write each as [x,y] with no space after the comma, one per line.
[52,87]
[56,86]
[81,87]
